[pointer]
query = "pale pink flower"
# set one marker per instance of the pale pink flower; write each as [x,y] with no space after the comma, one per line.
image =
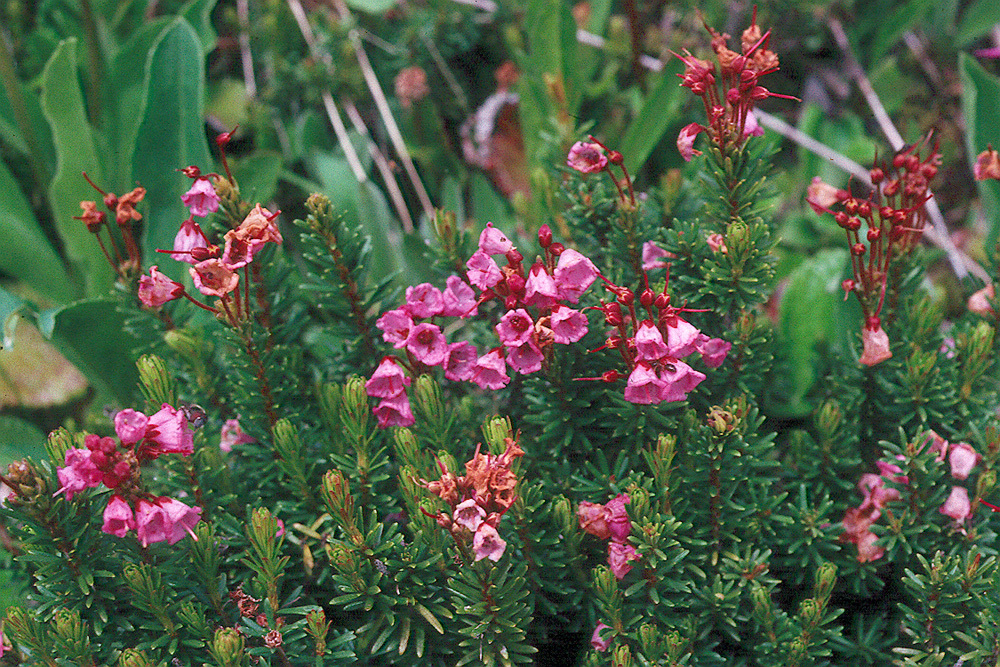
[540,289]
[752,127]
[168,430]
[424,300]
[461,361]
[875,346]
[677,380]
[957,506]
[713,351]
[938,445]
[213,278]
[717,243]
[644,386]
[619,556]
[568,325]
[130,426]
[487,543]
[981,302]
[201,199]
[868,550]
[150,522]
[574,274]
[682,337]
[490,371]
[232,435]
[593,519]
[494,242]
[181,519]
[189,237]
[387,380]
[586,157]
[483,271]
[891,471]
[459,299]
[987,165]
[962,458]
[118,517]
[395,325]
[598,641]
[618,521]
[515,327]
[427,344]
[653,256]
[469,514]
[525,358]
[649,345]
[685,141]
[411,86]
[157,289]
[394,411]
[821,196]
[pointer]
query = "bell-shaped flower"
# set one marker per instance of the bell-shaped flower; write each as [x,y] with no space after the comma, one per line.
[957,506]
[461,361]
[644,386]
[487,543]
[130,426]
[678,379]
[118,517]
[593,519]
[601,639]
[201,199]
[395,326]
[515,327]
[78,474]
[713,351]
[469,514]
[574,274]
[387,380]
[157,289]
[394,411]
[168,433]
[494,242]
[540,289]
[427,344]
[232,434]
[568,325]
[490,371]
[459,299]
[483,271]
[424,300]
[213,278]
[682,337]
[875,344]
[189,237]
[685,141]
[586,157]
[962,458]
[619,524]
[649,345]
[619,556]
[525,358]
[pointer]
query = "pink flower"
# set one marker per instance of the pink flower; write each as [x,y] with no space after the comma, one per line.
[619,556]
[682,337]
[938,445]
[201,199]
[394,411]
[213,278]
[644,386]
[685,141]
[678,379]
[232,435]
[599,642]
[649,345]
[469,514]
[867,549]
[876,346]
[395,325]
[821,195]
[79,473]
[891,471]
[618,521]
[568,325]
[593,519]
[540,289]
[150,522]
[752,126]
[981,302]
[461,361]
[459,299]
[713,351]
[717,243]
[490,371]
[653,256]
[168,430]
[118,517]
[962,458]
[181,519]
[387,380]
[189,237]
[256,230]
[130,426]
[493,242]
[427,344]
[957,506]
[574,274]
[424,300]
[525,358]
[156,289]
[483,271]
[515,327]
[487,543]
[586,157]
[987,165]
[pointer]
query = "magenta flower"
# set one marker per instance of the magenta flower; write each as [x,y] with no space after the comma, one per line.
[168,430]
[515,327]
[461,361]
[681,337]
[493,242]
[189,237]
[394,411]
[619,524]
[232,435]
[395,325]
[678,379]
[150,522]
[586,157]
[574,274]
[130,426]
[387,380]
[118,517]
[568,325]
[79,473]
[649,345]
[593,519]
[213,278]
[619,556]
[487,543]
[469,514]
[201,199]
[685,141]
[459,299]
[713,350]
[525,358]
[962,458]
[483,271]
[181,519]
[598,641]
[644,386]
[540,289]
[752,127]
[424,300]
[490,371]
[156,289]
[427,344]
[653,256]
[957,506]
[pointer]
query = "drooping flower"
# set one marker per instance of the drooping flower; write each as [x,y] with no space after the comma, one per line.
[981,301]
[875,346]
[487,543]
[515,327]
[682,337]
[494,242]
[118,517]
[130,426]
[201,199]
[644,386]
[593,519]
[461,361]
[586,157]
[540,289]
[868,549]
[525,358]
[713,351]
[395,325]
[424,300]
[717,243]
[962,458]
[150,522]
[157,289]
[387,380]
[574,274]
[459,299]
[427,344]
[78,474]
[181,519]
[256,230]
[232,435]
[490,370]
[483,271]
[619,524]
[820,195]
[653,256]
[601,640]
[957,506]
[394,411]
[677,380]
[649,345]
[213,278]
[619,556]
[568,325]
[168,431]
[189,237]
[469,514]
[685,141]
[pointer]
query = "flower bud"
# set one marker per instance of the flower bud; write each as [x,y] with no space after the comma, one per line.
[557,249]
[57,444]
[317,627]
[427,395]
[354,406]
[227,647]
[876,175]
[826,578]
[544,236]
[133,658]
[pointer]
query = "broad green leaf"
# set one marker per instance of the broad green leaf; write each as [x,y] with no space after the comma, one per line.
[487,205]
[199,14]
[980,92]
[33,375]
[171,136]
[12,133]
[62,103]
[977,20]
[25,253]
[656,115]
[372,6]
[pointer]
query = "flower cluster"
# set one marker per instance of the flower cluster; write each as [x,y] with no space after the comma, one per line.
[893,216]
[116,464]
[478,500]
[123,209]
[610,521]
[730,91]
